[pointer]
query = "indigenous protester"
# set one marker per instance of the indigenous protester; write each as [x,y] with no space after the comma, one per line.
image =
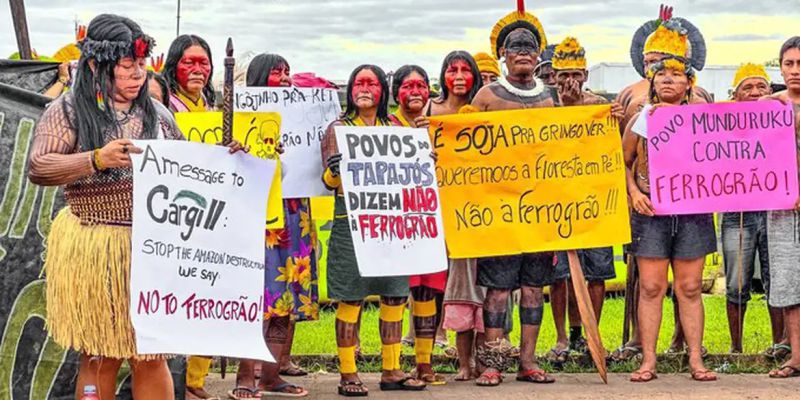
[460,79]
[290,273]
[569,64]
[782,229]
[658,241]
[188,71]
[367,105]
[632,99]
[518,39]
[83,142]
[410,89]
[744,235]
[488,66]
[544,68]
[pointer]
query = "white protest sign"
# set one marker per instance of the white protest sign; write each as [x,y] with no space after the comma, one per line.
[389,181]
[197,268]
[305,114]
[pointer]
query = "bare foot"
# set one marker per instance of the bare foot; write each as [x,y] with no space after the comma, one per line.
[465,374]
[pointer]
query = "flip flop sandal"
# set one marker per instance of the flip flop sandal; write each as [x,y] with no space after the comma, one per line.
[293,370]
[251,393]
[625,354]
[282,391]
[490,376]
[778,373]
[361,392]
[401,385]
[781,351]
[643,376]
[704,375]
[433,379]
[534,376]
[557,356]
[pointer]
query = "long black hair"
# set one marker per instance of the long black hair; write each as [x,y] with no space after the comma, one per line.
[477,80]
[402,73]
[174,55]
[109,38]
[351,111]
[260,67]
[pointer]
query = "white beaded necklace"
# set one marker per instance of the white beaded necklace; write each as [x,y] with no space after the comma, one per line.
[537,89]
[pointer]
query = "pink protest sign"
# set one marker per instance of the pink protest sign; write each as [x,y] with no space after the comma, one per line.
[722,157]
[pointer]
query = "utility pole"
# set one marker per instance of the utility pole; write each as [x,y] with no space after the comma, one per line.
[21,28]
[178,23]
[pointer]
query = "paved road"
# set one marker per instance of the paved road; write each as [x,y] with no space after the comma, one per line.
[567,387]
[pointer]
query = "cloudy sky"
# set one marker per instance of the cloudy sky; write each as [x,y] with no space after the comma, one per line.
[331,37]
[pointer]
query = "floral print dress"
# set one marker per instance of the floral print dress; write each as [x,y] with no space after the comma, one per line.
[291,265]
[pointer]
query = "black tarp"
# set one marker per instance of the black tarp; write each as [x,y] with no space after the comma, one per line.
[32,367]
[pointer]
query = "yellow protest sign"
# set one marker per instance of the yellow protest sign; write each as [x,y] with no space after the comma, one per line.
[260,131]
[524,181]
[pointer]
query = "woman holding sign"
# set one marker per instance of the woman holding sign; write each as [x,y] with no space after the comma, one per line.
[367,105]
[290,273]
[83,142]
[661,240]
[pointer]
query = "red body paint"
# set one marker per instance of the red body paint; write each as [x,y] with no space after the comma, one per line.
[366,83]
[413,88]
[458,77]
[279,77]
[193,67]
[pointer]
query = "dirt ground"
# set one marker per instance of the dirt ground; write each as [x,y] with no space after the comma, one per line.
[568,387]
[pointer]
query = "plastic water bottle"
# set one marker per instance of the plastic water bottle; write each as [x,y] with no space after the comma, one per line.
[90,393]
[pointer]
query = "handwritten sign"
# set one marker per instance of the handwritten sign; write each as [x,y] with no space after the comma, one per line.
[533,180]
[258,130]
[197,268]
[722,157]
[305,114]
[390,189]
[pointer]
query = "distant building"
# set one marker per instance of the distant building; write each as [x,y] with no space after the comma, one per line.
[611,78]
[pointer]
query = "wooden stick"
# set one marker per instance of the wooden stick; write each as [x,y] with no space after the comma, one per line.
[587,315]
[21,29]
[630,292]
[227,95]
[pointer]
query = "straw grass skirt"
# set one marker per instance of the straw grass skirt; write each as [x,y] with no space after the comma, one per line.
[88,288]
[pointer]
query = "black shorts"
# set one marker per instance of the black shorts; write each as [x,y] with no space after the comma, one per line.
[597,264]
[513,272]
[682,237]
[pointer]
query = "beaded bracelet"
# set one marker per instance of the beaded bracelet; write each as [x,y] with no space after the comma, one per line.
[96,163]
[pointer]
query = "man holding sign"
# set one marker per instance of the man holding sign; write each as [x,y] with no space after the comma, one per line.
[569,64]
[782,228]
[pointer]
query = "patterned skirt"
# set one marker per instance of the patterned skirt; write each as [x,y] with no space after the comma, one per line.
[290,273]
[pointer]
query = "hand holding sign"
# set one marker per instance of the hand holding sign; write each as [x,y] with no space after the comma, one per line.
[724,157]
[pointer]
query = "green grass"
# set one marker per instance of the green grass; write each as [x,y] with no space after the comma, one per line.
[318,337]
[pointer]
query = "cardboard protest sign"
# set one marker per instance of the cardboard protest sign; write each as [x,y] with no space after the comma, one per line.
[305,114]
[533,180]
[258,130]
[392,200]
[197,268]
[722,157]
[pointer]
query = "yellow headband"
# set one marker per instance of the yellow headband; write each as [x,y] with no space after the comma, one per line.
[667,41]
[517,16]
[487,63]
[569,55]
[747,71]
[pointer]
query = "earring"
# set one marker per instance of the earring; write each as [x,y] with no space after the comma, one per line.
[101,104]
